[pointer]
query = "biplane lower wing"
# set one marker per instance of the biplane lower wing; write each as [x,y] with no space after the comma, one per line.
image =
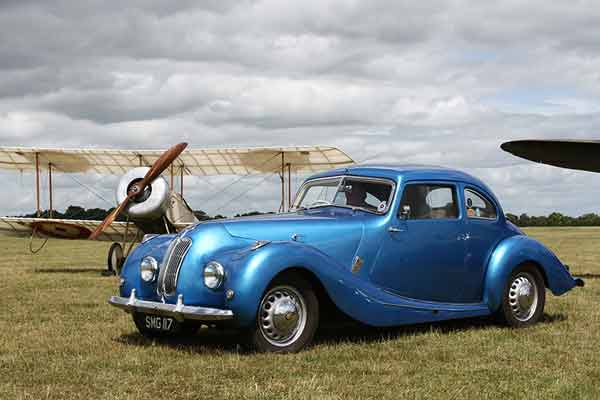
[71,229]
[66,228]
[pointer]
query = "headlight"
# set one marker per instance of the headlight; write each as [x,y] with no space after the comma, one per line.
[213,275]
[148,269]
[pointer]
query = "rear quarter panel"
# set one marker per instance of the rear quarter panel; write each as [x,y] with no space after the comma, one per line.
[515,251]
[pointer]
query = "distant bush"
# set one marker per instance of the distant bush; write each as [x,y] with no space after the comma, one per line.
[554,219]
[98,214]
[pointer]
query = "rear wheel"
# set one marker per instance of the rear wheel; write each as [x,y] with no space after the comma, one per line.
[524,297]
[154,327]
[287,317]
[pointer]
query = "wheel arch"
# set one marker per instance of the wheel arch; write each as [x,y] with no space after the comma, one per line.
[520,250]
[328,310]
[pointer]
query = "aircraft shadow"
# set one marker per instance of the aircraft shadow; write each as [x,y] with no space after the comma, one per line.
[69,270]
[217,340]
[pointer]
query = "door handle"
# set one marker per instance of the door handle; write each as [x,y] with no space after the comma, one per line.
[394,229]
[464,236]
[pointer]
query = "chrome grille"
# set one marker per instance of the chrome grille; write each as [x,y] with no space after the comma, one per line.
[167,278]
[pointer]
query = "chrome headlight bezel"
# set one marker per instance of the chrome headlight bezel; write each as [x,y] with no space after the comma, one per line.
[148,269]
[213,275]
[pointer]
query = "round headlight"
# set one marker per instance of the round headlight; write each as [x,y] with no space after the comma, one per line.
[148,269]
[213,275]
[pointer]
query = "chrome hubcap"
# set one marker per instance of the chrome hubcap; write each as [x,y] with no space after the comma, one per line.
[282,316]
[523,297]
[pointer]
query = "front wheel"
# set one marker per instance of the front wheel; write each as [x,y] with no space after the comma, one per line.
[524,297]
[287,317]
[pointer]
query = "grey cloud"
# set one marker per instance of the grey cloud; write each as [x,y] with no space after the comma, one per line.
[441,82]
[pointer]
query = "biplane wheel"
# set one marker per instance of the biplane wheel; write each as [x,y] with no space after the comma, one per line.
[115,258]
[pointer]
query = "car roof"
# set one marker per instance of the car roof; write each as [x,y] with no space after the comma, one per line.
[405,172]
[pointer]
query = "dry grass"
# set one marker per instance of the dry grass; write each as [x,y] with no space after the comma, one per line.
[61,340]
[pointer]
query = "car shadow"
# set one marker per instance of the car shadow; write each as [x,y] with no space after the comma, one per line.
[208,341]
[587,276]
[366,334]
[204,342]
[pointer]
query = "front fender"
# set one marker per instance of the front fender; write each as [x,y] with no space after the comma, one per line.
[250,275]
[511,253]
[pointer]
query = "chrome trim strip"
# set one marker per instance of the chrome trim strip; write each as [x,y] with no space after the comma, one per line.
[178,311]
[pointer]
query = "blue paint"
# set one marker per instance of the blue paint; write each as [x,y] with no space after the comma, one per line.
[425,270]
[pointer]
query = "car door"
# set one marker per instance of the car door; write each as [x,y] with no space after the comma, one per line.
[422,253]
[484,230]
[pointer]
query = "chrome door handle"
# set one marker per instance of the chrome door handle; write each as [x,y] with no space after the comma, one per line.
[465,236]
[394,229]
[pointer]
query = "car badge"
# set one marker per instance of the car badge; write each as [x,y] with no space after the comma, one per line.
[357,264]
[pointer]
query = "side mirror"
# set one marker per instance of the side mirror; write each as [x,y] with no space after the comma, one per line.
[405,212]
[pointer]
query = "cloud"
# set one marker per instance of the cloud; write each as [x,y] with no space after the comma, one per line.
[441,82]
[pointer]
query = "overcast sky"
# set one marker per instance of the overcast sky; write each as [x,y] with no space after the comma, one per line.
[421,82]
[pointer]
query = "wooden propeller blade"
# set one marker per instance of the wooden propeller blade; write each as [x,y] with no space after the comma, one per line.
[110,218]
[154,172]
[162,164]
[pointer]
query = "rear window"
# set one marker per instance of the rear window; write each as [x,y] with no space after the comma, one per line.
[478,206]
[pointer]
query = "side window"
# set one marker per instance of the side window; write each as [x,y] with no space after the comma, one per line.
[429,201]
[478,206]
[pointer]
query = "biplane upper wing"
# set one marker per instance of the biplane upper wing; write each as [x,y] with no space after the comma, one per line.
[572,154]
[207,161]
[71,228]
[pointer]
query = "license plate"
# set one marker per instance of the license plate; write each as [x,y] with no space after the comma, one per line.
[158,323]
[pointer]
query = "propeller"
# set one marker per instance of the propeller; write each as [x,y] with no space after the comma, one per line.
[572,154]
[138,188]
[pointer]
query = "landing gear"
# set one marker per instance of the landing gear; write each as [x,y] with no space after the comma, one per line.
[115,259]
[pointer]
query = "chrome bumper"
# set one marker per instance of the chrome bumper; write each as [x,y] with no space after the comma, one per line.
[178,311]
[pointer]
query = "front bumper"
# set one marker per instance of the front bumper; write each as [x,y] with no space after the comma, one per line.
[178,311]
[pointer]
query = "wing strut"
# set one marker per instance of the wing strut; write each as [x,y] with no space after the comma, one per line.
[50,189]
[37,184]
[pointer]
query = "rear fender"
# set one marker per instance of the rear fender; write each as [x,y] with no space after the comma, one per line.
[515,251]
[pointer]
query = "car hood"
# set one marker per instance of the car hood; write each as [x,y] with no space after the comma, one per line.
[335,232]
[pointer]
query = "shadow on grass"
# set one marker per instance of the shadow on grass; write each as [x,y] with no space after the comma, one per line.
[587,276]
[205,341]
[367,334]
[69,271]
[217,340]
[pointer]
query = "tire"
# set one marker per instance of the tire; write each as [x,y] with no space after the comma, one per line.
[523,298]
[180,329]
[115,259]
[287,317]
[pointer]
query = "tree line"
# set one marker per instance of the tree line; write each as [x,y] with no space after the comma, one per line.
[98,214]
[554,219]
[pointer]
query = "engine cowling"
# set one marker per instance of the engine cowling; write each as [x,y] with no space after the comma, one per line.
[150,205]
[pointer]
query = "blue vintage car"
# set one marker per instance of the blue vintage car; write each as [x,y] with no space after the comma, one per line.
[386,245]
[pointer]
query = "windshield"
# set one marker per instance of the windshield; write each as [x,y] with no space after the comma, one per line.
[369,194]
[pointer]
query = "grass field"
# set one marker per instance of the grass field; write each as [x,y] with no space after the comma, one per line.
[59,339]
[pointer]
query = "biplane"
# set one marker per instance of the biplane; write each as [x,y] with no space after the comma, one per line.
[146,194]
